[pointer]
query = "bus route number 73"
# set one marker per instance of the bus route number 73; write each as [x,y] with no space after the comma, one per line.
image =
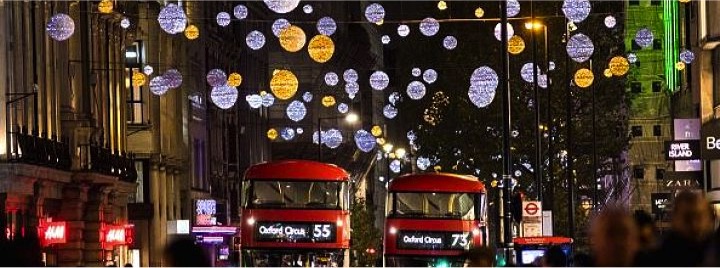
[460,240]
[322,230]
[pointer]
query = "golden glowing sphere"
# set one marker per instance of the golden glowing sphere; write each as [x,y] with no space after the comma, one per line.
[328,101]
[442,5]
[234,80]
[138,79]
[192,32]
[321,48]
[292,38]
[263,93]
[105,6]
[376,131]
[380,141]
[607,73]
[516,45]
[494,183]
[272,134]
[437,168]
[619,65]
[584,78]
[392,155]
[680,66]
[479,12]
[284,84]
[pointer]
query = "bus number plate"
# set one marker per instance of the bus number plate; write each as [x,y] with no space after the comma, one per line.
[295,232]
[433,240]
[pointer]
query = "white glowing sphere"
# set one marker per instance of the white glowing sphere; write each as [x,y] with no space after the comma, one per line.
[254,101]
[390,111]
[326,26]
[365,141]
[60,27]
[224,96]
[430,76]
[374,13]
[450,42]
[255,40]
[172,19]
[279,25]
[576,10]
[429,27]
[403,30]
[350,75]
[498,29]
[216,78]
[379,80]
[416,90]
[580,48]
[296,111]
[240,12]
[282,6]
[223,19]
[331,79]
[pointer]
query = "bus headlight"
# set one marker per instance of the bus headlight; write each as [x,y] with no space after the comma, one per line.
[339,223]
[393,230]
[476,231]
[251,221]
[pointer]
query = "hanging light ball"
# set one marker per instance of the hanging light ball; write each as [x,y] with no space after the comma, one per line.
[216,78]
[430,76]
[442,5]
[279,25]
[296,111]
[224,97]
[315,137]
[394,97]
[516,45]
[395,166]
[376,131]
[513,8]
[584,78]
[331,79]
[254,100]
[192,32]
[610,21]
[483,84]
[350,75]
[287,133]
[60,27]
[364,141]
[223,19]
[687,56]
[307,9]
[158,86]
[284,84]
[680,65]
[234,80]
[240,12]
[379,80]
[580,48]
[576,10]
[429,26]
[343,108]
[479,12]
[125,23]
[619,66]
[299,131]
[510,31]
[326,26]
[607,73]
[321,48]
[255,40]
[551,66]
[385,39]
[267,99]
[105,6]
[328,101]
[422,163]
[172,19]
[292,38]
[416,90]
[138,79]
[390,111]
[332,138]
[450,42]
[173,78]
[416,72]
[644,37]
[352,88]
[148,70]
[543,80]
[272,134]
[307,96]
[282,6]
[375,13]
[403,30]
[526,72]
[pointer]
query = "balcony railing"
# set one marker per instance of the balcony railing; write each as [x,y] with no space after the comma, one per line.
[31,149]
[104,161]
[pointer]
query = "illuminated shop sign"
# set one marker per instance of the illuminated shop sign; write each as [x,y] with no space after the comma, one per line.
[52,232]
[113,235]
[205,210]
[682,150]
[434,240]
[295,232]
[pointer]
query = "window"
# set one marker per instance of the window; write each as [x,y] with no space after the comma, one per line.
[297,194]
[140,190]
[637,131]
[434,205]
[716,73]
[199,178]
[659,174]
[657,86]
[657,130]
[133,63]
[635,87]
[638,172]
[657,44]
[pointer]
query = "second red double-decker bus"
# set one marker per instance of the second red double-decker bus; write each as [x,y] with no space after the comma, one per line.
[295,213]
[433,219]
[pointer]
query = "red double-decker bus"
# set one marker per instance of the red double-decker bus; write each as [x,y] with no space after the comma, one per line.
[295,213]
[433,219]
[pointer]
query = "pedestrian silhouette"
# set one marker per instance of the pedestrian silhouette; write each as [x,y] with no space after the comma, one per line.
[184,252]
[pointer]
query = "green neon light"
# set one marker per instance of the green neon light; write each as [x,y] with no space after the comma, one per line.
[670,42]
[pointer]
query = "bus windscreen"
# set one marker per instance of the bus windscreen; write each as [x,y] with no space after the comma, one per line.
[296,194]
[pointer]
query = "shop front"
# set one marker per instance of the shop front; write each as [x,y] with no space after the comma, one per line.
[117,242]
[212,234]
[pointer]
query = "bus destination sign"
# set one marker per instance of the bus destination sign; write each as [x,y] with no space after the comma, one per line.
[433,240]
[295,232]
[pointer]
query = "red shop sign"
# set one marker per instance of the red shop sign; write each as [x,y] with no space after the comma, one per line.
[52,232]
[113,235]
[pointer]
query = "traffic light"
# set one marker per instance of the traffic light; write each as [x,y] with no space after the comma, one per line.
[370,251]
[517,199]
[441,263]
[500,258]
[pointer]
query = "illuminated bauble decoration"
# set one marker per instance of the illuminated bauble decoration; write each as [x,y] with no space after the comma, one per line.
[60,27]
[105,6]
[299,131]
[192,32]
[364,141]
[287,133]
[610,21]
[551,66]
[442,5]
[376,131]
[526,72]
[619,66]
[240,12]
[416,90]
[267,99]
[584,78]
[296,111]
[272,134]
[331,79]
[172,19]
[580,48]
[148,70]
[223,19]
[607,73]
[292,38]
[394,97]
[543,81]
[644,38]
[480,97]
[234,80]
[510,31]
[352,88]
[632,58]
[282,6]
[450,42]
[429,27]
[316,139]
[254,100]
[216,78]
[385,39]
[332,138]
[307,9]
[379,80]
[158,86]
[343,108]
[255,40]
[138,79]
[403,30]
[513,8]
[350,75]
[328,101]
[321,48]
[224,96]
[173,78]
[680,65]
[395,166]
[687,56]
[279,25]
[307,97]
[516,45]
[326,26]
[422,163]
[125,23]
[430,76]
[416,72]
[390,111]
[483,84]
[375,13]
[284,84]
[479,12]
[576,10]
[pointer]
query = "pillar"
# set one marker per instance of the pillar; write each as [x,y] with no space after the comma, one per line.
[162,200]
[155,250]
[71,210]
[94,218]
[178,189]
[170,194]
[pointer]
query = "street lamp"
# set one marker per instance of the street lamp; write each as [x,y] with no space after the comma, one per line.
[352,118]
[400,152]
[388,147]
[535,25]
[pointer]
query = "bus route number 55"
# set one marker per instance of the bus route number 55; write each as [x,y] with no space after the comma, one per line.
[321,230]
